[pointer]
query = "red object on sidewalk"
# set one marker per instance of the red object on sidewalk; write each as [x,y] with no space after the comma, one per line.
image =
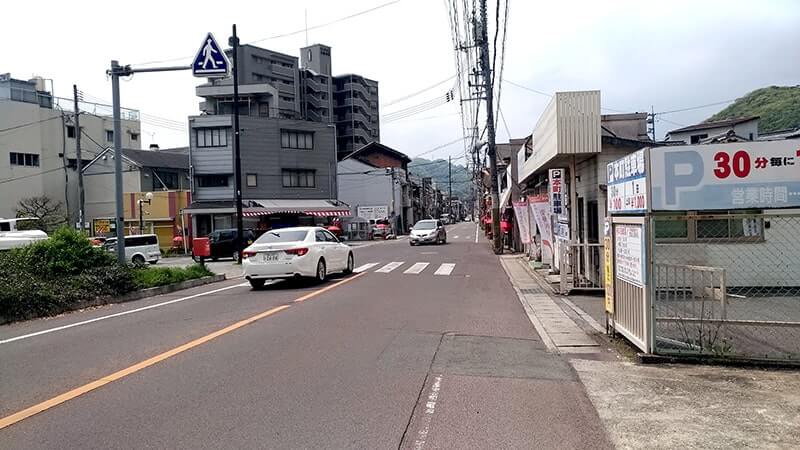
[201,247]
[505,226]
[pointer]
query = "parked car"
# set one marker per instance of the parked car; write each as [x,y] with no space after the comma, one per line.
[446,219]
[295,252]
[381,229]
[139,249]
[428,231]
[223,243]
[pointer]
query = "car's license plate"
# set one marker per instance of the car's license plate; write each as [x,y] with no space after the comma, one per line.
[270,257]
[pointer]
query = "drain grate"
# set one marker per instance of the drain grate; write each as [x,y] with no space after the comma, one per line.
[531,291]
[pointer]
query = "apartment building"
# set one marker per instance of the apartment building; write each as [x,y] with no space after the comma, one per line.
[356,112]
[268,86]
[37,142]
[316,83]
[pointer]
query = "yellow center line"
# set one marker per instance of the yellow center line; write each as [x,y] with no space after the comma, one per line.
[88,387]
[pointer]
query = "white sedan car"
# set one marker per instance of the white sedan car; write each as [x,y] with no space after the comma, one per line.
[295,252]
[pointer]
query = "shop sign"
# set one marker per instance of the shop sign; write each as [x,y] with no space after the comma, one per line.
[627,184]
[741,175]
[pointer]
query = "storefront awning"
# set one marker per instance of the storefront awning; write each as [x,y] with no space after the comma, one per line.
[265,207]
[256,212]
[504,198]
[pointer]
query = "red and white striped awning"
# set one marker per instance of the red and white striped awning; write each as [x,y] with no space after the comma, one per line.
[257,212]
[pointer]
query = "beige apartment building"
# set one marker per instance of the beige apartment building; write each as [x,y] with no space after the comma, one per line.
[37,142]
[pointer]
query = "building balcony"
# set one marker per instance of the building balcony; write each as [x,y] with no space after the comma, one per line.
[280,70]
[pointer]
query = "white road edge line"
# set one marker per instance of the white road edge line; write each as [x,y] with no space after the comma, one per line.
[430,409]
[476,232]
[119,314]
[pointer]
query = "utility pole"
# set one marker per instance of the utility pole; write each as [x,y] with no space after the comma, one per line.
[450,185]
[81,196]
[116,71]
[497,243]
[234,42]
[394,214]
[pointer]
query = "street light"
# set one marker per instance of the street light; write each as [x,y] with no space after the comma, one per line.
[148,198]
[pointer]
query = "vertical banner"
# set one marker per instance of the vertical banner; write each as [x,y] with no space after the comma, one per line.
[608,266]
[540,207]
[523,220]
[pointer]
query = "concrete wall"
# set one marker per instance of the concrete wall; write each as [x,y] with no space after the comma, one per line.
[99,185]
[48,139]
[373,189]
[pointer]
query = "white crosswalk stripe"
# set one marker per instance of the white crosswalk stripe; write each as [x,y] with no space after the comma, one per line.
[455,237]
[390,267]
[364,268]
[445,269]
[417,268]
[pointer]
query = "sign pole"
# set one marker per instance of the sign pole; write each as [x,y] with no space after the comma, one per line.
[234,42]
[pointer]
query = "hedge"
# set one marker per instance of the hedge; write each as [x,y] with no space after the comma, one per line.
[52,276]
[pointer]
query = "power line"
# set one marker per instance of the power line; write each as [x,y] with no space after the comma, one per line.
[695,107]
[413,94]
[292,33]
[29,124]
[439,147]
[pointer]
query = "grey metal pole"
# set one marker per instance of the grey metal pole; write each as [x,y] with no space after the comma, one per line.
[450,185]
[234,41]
[79,159]
[497,243]
[120,219]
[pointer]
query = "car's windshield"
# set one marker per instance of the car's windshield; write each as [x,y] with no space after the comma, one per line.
[282,236]
[425,225]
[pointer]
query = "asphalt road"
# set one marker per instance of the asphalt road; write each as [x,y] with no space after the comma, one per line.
[436,355]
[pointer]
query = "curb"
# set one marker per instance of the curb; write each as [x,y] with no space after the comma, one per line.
[650,359]
[129,297]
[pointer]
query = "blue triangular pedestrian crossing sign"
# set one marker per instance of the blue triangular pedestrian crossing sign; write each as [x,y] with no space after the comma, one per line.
[210,60]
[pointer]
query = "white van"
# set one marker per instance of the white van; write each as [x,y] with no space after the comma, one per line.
[138,248]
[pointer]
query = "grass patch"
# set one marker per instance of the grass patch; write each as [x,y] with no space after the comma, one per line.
[149,277]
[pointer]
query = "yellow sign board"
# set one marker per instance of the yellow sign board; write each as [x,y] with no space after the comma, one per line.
[608,270]
[102,226]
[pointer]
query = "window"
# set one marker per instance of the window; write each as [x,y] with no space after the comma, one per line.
[297,139]
[212,180]
[167,180]
[110,135]
[329,236]
[320,236]
[298,178]
[282,236]
[139,241]
[710,226]
[252,180]
[212,137]
[697,137]
[24,159]
[71,131]
[134,136]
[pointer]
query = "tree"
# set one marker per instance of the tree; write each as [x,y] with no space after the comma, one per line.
[49,214]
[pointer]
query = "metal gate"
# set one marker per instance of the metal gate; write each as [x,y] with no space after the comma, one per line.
[632,312]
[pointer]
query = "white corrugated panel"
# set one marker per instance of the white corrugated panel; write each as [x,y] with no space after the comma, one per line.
[578,123]
[570,125]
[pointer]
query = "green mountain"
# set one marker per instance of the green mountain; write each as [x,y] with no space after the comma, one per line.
[778,107]
[437,170]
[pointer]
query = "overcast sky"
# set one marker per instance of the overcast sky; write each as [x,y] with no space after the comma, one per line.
[668,54]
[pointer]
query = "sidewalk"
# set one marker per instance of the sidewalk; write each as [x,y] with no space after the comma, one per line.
[663,406]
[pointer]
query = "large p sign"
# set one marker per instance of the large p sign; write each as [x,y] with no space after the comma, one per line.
[682,169]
